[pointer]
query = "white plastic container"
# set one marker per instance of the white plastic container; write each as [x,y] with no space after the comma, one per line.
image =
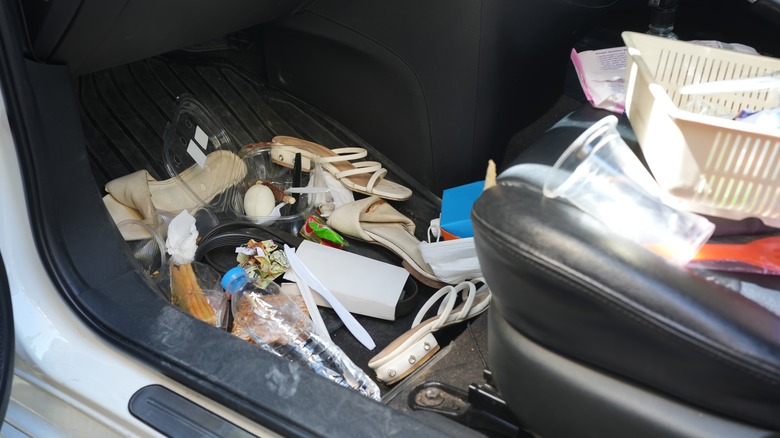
[704,163]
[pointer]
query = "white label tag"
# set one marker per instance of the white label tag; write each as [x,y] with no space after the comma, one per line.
[196,153]
[201,138]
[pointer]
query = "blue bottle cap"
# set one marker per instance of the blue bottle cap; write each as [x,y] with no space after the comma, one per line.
[232,276]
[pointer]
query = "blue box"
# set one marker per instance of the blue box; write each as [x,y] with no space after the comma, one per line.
[456,206]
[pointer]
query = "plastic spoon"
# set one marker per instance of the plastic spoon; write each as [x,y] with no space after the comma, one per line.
[272,216]
[277,211]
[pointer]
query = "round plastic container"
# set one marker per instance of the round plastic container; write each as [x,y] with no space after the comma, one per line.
[196,145]
[260,169]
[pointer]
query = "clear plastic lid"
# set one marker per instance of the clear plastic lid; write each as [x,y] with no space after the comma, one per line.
[200,154]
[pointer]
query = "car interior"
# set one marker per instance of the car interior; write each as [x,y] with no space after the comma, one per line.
[586,334]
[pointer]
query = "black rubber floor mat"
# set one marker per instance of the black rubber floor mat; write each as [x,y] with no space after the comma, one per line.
[126,109]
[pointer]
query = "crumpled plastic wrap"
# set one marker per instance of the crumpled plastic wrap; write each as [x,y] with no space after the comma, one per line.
[270,319]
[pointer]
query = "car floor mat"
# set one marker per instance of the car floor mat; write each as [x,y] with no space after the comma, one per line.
[126,109]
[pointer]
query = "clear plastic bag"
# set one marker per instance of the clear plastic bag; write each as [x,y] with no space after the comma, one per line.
[273,321]
[194,288]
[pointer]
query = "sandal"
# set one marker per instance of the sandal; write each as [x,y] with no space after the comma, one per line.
[374,220]
[138,196]
[415,347]
[365,177]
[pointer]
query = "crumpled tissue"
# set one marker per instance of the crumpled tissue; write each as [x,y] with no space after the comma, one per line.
[182,239]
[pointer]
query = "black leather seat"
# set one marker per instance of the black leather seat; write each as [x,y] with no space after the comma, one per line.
[591,334]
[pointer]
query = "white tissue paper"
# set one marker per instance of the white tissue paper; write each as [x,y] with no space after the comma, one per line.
[181,243]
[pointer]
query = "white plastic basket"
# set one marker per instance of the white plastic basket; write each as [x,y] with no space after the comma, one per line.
[705,163]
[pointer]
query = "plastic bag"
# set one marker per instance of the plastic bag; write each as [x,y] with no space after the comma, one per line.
[267,317]
[332,193]
[602,76]
[194,287]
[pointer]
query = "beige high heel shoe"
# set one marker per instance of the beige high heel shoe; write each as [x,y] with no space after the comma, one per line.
[138,196]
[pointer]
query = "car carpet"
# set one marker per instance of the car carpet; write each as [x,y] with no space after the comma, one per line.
[125,111]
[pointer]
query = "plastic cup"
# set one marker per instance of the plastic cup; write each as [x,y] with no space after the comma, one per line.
[600,175]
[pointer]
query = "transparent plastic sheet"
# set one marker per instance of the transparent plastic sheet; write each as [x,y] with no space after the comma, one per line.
[193,286]
[276,323]
[704,106]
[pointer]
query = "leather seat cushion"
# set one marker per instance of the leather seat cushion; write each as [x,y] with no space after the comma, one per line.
[564,281]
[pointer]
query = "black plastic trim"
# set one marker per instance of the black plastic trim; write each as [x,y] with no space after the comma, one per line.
[173,415]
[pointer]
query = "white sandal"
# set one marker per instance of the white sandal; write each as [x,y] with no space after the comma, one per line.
[415,347]
[365,177]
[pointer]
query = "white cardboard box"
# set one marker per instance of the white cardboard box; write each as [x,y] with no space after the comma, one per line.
[363,285]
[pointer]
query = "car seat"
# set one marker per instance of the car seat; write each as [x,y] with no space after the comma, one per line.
[592,335]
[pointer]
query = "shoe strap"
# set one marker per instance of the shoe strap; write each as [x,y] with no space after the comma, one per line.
[365,167]
[344,154]
[378,175]
[468,292]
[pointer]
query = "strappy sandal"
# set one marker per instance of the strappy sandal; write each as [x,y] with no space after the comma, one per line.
[415,347]
[365,177]
[376,221]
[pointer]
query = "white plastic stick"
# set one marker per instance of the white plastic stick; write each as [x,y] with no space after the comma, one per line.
[350,322]
[314,311]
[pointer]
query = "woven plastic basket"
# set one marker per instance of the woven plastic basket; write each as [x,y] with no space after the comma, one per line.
[705,163]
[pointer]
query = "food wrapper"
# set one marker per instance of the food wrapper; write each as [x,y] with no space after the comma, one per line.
[316,230]
[262,261]
[602,76]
